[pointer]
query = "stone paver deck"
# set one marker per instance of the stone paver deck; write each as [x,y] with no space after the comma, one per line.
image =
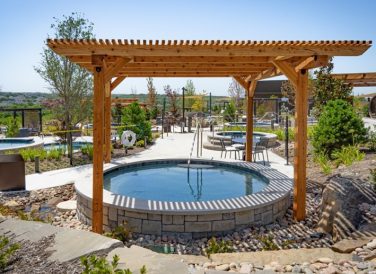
[69,244]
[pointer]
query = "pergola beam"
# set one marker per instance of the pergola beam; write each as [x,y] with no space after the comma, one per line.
[287,70]
[116,82]
[115,68]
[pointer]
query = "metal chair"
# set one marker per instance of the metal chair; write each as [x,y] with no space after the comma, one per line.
[228,148]
[260,148]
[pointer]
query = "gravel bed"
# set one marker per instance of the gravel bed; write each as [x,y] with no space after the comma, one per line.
[32,257]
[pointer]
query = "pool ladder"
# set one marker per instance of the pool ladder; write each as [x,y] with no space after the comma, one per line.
[198,132]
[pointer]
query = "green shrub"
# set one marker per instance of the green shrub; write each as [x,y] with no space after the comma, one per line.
[13,128]
[347,155]
[54,153]
[121,232]
[134,118]
[371,140]
[267,242]
[373,177]
[95,265]
[140,143]
[29,154]
[6,250]
[218,247]
[338,126]
[88,150]
[323,161]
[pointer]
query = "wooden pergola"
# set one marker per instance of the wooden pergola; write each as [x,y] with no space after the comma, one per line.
[367,79]
[125,102]
[111,61]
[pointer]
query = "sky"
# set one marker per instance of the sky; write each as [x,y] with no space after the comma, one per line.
[25,25]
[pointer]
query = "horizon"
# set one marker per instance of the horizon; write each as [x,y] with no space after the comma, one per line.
[183,20]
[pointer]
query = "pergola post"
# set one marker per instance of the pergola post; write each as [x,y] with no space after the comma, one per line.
[98,134]
[249,126]
[299,78]
[250,88]
[300,145]
[107,122]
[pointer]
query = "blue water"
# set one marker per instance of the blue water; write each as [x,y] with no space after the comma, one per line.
[12,143]
[171,182]
[76,146]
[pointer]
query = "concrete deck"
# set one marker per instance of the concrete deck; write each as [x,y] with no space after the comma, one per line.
[69,244]
[175,145]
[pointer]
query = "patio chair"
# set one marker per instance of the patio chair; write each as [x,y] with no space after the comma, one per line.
[229,149]
[260,148]
[266,142]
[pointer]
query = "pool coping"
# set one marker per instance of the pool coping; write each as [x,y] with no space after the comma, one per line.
[279,187]
[263,134]
[35,143]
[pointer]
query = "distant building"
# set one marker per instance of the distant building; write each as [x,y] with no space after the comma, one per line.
[269,88]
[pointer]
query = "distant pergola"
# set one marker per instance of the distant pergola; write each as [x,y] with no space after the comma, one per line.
[366,79]
[111,61]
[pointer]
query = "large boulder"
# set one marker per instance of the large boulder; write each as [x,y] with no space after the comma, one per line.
[341,198]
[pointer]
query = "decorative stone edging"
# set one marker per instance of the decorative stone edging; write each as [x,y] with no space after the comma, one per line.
[193,219]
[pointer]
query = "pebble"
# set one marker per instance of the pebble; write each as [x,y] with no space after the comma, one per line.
[222,267]
[324,260]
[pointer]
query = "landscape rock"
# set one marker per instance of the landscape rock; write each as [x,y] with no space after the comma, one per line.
[341,198]
[222,267]
[54,201]
[349,245]
[12,204]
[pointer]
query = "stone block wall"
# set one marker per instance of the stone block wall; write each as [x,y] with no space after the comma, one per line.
[192,224]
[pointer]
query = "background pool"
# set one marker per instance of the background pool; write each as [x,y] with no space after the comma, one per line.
[172,182]
[76,145]
[13,143]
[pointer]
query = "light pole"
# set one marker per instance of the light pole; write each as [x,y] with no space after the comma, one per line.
[183,109]
[286,110]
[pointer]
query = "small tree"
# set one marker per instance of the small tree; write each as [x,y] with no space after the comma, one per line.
[13,127]
[198,104]
[288,91]
[172,96]
[327,88]
[338,126]
[152,98]
[190,90]
[237,93]
[71,83]
[229,113]
[134,117]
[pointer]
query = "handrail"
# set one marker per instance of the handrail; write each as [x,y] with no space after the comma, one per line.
[194,140]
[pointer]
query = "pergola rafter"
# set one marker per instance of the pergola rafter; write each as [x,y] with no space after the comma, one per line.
[111,61]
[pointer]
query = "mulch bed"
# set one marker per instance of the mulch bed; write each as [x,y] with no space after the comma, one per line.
[78,160]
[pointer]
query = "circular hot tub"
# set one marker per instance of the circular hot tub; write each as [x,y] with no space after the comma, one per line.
[8,145]
[197,200]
